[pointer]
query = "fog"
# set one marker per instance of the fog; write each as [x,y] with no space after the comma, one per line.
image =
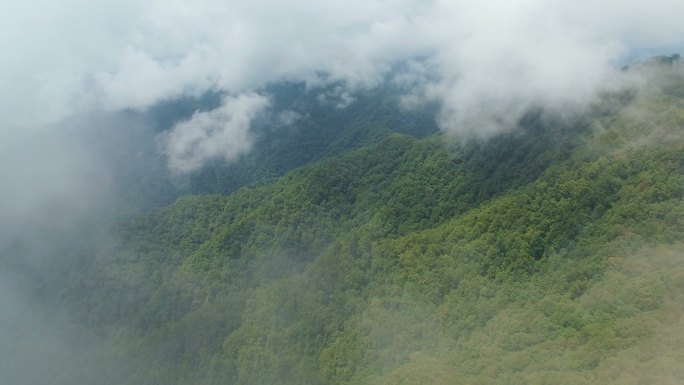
[78,78]
[484,63]
[493,58]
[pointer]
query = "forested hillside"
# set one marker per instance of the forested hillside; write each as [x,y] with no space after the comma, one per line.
[549,254]
[300,128]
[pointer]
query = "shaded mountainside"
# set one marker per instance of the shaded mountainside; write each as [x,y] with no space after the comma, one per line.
[552,254]
[299,128]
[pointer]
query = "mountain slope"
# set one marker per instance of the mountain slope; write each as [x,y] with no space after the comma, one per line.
[550,254]
[299,128]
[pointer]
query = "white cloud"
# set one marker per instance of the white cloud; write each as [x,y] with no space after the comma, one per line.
[486,59]
[220,133]
[506,56]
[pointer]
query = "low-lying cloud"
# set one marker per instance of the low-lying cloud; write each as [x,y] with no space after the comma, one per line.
[219,133]
[484,62]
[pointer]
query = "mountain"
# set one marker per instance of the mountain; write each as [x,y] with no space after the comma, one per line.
[299,128]
[364,248]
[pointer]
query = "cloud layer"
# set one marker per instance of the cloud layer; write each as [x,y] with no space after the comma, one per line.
[484,61]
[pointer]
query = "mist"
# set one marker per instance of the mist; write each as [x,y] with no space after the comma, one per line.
[62,191]
[219,133]
[489,59]
[82,83]
[484,64]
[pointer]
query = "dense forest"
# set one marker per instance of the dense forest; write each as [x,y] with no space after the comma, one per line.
[384,252]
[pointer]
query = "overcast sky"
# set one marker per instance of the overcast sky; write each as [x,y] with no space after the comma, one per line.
[478,58]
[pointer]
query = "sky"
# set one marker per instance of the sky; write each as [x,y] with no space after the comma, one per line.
[485,62]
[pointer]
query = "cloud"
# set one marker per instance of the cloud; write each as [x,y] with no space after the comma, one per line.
[65,61]
[69,173]
[46,180]
[507,56]
[219,133]
[485,62]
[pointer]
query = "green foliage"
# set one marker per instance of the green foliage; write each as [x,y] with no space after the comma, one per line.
[551,254]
